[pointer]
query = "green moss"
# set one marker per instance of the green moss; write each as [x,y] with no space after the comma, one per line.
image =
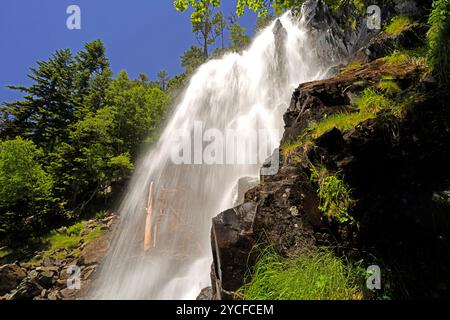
[398,25]
[334,194]
[314,275]
[352,66]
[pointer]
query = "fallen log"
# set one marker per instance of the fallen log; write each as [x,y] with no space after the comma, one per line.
[148,220]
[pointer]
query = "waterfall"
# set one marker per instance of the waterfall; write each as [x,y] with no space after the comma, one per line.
[246,92]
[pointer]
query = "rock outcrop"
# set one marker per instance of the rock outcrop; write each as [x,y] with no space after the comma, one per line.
[47,278]
[394,165]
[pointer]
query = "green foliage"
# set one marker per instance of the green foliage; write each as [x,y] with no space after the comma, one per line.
[369,103]
[438,39]
[21,176]
[334,195]
[75,230]
[416,57]
[398,25]
[58,244]
[263,21]
[163,79]
[4,252]
[25,189]
[396,58]
[78,133]
[389,86]
[176,83]
[238,37]
[192,59]
[313,275]
[101,214]
[58,241]
[351,67]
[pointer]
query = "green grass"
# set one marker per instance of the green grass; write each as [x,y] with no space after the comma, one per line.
[94,234]
[398,25]
[397,58]
[342,121]
[388,86]
[369,103]
[62,241]
[416,56]
[75,229]
[334,194]
[61,244]
[314,275]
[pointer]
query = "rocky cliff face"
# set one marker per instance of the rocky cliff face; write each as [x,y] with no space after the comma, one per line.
[395,162]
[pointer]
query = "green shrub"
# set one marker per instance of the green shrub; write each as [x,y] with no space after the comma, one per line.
[389,87]
[75,230]
[370,101]
[25,190]
[334,195]
[58,241]
[313,275]
[438,39]
[101,214]
[398,25]
[396,58]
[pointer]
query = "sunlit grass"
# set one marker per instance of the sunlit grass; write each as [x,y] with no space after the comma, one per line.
[312,275]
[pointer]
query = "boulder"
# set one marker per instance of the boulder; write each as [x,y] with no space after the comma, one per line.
[232,240]
[205,294]
[10,276]
[28,289]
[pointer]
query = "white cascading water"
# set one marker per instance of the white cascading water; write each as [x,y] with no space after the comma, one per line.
[247,91]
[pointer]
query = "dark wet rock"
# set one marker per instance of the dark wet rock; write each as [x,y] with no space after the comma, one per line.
[27,290]
[232,240]
[205,294]
[10,276]
[383,44]
[332,140]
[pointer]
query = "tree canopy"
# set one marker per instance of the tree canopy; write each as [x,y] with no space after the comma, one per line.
[73,137]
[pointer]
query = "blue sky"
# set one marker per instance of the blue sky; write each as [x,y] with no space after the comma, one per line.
[140,35]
